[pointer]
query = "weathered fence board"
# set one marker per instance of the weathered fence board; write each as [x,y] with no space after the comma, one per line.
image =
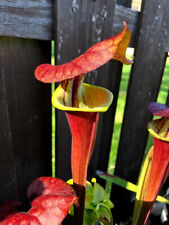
[114,71]
[24,116]
[34,19]
[26,19]
[131,17]
[143,88]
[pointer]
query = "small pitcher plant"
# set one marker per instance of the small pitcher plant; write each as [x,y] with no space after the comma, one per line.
[156,167]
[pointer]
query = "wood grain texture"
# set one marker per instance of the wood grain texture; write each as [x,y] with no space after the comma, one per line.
[143,88]
[132,19]
[25,124]
[26,19]
[34,19]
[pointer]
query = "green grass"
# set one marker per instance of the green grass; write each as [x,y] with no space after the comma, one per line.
[119,116]
[53,131]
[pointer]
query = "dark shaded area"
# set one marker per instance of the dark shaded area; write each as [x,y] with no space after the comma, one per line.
[25,120]
[79,209]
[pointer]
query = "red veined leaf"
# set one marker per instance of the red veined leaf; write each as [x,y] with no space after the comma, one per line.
[158,109]
[49,185]
[51,209]
[48,209]
[94,57]
[21,218]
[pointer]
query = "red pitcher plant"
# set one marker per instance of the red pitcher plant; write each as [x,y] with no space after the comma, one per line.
[82,103]
[155,169]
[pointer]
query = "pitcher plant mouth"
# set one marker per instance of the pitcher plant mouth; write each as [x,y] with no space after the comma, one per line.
[82,102]
[156,166]
[101,102]
[159,128]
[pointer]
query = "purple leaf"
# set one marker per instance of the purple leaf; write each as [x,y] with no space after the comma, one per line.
[158,109]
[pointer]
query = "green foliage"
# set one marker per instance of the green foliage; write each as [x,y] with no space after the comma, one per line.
[97,205]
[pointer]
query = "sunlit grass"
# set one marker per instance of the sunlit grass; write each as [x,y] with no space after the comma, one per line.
[53,115]
[119,116]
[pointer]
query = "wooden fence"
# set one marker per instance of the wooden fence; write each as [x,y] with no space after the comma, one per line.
[26,29]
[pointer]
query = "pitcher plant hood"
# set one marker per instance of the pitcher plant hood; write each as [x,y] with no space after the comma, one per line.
[74,95]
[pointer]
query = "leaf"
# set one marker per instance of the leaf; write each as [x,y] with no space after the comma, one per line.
[126,184]
[99,193]
[89,187]
[159,128]
[48,209]
[117,180]
[83,126]
[21,218]
[90,98]
[158,109]
[104,214]
[83,129]
[94,57]
[108,203]
[90,217]
[142,184]
[88,200]
[154,173]
[41,184]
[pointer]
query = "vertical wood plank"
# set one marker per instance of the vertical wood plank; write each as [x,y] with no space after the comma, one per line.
[105,132]
[25,130]
[113,71]
[143,88]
